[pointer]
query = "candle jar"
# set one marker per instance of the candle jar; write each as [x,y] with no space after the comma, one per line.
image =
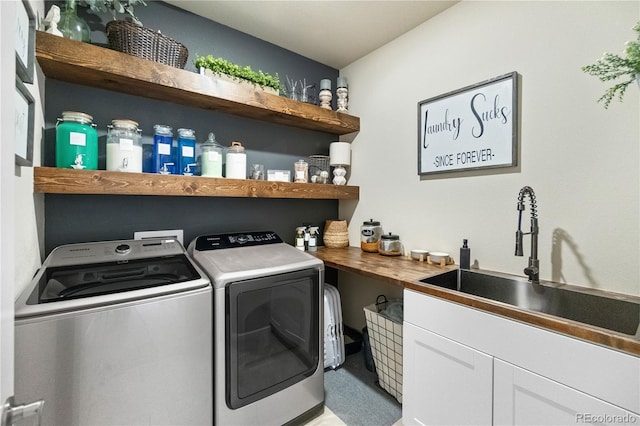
[342,93]
[124,146]
[325,94]
[76,141]
[301,171]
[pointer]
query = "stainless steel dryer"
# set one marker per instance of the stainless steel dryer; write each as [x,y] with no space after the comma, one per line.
[117,333]
[268,368]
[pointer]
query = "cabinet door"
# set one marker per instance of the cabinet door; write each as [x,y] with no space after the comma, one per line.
[524,398]
[445,383]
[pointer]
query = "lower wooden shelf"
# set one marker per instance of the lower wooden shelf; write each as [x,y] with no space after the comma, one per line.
[53,180]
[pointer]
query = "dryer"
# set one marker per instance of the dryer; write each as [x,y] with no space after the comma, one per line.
[268,345]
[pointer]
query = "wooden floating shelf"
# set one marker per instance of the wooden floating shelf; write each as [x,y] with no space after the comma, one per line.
[54,180]
[94,66]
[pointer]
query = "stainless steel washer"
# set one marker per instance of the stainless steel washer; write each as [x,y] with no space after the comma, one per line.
[268,368]
[117,333]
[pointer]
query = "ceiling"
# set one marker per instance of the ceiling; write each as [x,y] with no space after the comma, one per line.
[334,33]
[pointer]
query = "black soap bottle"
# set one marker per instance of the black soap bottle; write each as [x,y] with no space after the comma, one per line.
[465,255]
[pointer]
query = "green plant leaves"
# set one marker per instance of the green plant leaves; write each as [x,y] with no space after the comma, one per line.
[612,67]
[222,66]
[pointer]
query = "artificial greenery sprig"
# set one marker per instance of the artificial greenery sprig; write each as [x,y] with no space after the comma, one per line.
[222,66]
[611,67]
[114,7]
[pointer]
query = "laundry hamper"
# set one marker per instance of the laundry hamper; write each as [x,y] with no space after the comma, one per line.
[385,337]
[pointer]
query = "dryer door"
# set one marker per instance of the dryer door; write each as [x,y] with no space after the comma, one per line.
[273,327]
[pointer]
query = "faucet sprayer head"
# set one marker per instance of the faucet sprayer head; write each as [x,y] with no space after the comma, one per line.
[519,235]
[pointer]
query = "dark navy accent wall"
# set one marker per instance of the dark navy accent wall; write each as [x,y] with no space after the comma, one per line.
[79,218]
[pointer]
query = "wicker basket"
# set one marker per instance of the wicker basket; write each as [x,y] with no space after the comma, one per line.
[336,234]
[146,43]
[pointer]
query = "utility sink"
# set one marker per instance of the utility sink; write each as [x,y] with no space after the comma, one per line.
[614,314]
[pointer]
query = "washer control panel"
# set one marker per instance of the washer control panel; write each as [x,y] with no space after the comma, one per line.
[235,240]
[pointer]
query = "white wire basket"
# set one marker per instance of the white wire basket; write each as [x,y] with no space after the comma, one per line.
[385,338]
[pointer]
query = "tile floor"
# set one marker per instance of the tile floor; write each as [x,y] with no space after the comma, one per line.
[327,418]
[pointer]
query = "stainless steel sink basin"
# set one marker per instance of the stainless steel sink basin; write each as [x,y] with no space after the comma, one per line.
[607,312]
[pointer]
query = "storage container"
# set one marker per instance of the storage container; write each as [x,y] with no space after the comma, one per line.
[385,337]
[124,146]
[236,161]
[186,161]
[76,141]
[211,158]
[162,149]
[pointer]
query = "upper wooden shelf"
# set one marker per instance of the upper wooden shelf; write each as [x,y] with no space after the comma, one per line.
[53,180]
[89,65]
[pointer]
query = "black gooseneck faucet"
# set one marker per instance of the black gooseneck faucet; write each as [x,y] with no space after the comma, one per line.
[533,270]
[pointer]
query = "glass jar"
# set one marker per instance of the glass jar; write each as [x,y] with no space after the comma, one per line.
[72,26]
[76,141]
[236,161]
[370,233]
[301,172]
[162,142]
[211,158]
[186,161]
[124,146]
[390,245]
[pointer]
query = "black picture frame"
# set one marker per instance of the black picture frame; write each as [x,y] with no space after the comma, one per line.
[25,41]
[23,124]
[469,129]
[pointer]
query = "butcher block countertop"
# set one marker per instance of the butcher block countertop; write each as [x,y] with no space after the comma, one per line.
[407,273]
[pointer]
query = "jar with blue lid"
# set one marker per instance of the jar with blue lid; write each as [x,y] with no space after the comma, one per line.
[76,141]
[163,161]
[186,160]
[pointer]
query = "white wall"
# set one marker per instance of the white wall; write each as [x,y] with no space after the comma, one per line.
[581,160]
[29,207]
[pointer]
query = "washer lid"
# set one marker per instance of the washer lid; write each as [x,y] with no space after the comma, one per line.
[81,276]
[78,281]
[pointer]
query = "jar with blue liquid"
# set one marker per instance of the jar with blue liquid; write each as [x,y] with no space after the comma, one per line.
[163,161]
[186,158]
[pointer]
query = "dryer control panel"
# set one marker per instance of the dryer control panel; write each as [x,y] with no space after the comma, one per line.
[236,239]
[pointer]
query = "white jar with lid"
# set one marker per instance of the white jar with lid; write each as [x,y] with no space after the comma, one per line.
[124,146]
[236,161]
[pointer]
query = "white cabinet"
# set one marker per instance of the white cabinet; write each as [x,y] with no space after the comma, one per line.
[521,397]
[445,383]
[466,366]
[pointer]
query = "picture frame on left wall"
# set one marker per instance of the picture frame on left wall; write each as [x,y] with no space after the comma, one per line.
[25,41]
[24,111]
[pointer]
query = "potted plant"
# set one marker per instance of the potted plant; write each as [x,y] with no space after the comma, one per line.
[221,67]
[611,67]
[114,7]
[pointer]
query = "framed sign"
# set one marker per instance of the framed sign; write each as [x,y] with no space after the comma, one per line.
[469,129]
[23,125]
[25,41]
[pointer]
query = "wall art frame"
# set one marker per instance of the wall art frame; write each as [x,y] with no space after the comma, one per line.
[472,128]
[25,37]
[24,115]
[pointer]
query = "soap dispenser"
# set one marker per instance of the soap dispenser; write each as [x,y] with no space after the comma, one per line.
[465,256]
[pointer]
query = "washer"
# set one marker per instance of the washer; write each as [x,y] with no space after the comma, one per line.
[268,364]
[117,333]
